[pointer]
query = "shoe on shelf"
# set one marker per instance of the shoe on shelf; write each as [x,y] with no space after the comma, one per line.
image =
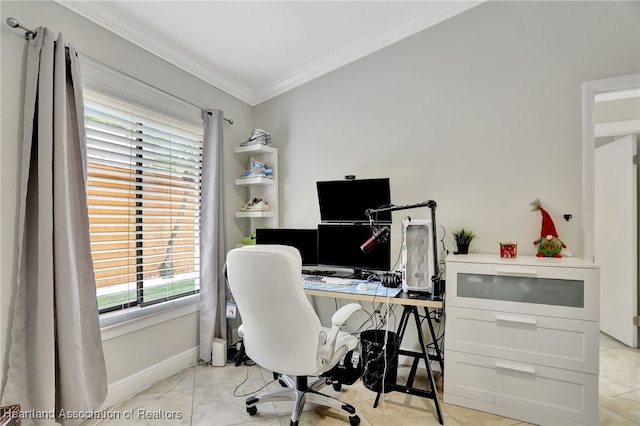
[256,205]
[250,240]
[268,171]
[256,169]
[258,137]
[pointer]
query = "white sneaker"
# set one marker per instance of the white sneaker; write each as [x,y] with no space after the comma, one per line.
[258,137]
[256,205]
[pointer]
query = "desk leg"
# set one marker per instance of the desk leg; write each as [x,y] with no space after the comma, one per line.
[427,362]
[438,356]
[408,388]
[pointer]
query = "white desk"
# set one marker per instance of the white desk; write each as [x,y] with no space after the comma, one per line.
[410,306]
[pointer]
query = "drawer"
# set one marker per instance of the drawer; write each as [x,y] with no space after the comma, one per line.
[528,392]
[538,289]
[554,342]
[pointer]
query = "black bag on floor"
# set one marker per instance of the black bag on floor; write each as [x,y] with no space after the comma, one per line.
[348,370]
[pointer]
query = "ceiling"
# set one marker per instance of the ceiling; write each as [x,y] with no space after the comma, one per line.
[255,50]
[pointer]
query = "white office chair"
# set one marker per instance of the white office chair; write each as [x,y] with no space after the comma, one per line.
[280,329]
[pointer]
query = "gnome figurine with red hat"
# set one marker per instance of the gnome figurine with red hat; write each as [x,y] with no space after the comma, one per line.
[549,245]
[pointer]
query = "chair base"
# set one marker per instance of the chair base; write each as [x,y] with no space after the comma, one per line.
[300,392]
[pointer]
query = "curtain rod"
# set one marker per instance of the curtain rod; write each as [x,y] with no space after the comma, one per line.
[14,23]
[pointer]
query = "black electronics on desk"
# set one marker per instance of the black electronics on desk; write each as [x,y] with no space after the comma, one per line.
[345,201]
[339,246]
[305,240]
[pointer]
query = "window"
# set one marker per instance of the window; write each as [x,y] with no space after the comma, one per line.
[144,180]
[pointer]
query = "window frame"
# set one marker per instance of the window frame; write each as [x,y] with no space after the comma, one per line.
[107,82]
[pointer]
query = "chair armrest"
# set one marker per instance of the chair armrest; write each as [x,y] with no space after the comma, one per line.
[326,351]
[342,315]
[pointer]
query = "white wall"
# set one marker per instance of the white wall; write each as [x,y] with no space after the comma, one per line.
[128,354]
[481,113]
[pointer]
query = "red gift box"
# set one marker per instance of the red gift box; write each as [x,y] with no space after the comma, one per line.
[508,250]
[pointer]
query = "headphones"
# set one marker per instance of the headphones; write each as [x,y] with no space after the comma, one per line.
[391,279]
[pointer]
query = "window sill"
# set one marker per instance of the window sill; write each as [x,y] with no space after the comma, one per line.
[127,321]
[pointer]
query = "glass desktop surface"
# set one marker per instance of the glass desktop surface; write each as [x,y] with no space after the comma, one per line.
[373,288]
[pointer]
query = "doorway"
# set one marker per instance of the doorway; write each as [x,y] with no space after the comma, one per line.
[624,329]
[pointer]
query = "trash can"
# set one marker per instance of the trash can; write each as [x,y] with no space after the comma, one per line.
[373,358]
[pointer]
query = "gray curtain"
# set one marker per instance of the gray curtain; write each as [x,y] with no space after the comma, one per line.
[212,237]
[56,362]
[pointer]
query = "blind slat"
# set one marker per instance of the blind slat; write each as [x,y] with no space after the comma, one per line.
[143,193]
[108,138]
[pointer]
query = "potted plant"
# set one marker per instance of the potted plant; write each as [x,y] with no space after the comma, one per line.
[463,237]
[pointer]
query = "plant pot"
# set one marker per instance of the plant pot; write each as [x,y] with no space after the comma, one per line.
[462,248]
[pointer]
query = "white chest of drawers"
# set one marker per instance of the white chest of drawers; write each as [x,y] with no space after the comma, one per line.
[522,337]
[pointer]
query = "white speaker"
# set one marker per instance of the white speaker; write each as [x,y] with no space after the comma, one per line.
[417,255]
[218,352]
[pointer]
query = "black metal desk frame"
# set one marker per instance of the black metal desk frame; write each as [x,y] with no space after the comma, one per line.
[408,388]
[410,308]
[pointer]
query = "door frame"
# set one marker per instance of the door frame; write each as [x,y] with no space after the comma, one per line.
[589,90]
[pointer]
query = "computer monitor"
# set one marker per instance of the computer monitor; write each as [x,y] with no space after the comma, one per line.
[339,246]
[345,201]
[305,240]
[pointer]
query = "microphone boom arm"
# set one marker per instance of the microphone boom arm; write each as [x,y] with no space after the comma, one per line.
[435,279]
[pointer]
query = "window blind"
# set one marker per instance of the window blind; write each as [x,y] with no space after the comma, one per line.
[144,186]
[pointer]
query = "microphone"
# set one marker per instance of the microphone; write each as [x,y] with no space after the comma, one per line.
[379,235]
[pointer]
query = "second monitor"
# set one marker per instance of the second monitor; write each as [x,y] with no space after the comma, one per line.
[305,240]
[339,246]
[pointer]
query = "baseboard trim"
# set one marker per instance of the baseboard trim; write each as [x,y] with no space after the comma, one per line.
[132,385]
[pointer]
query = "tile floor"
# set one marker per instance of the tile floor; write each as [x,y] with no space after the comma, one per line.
[204,395]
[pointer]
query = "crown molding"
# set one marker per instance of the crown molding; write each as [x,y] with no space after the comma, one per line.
[440,11]
[130,31]
[127,29]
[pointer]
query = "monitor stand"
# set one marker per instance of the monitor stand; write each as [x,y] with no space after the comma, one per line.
[358,274]
[342,274]
[318,272]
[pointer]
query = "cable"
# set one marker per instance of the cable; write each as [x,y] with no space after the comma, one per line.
[370,319]
[252,392]
[403,242]
[444,234]
[386,359]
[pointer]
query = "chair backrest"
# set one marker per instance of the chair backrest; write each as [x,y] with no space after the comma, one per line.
[281,329]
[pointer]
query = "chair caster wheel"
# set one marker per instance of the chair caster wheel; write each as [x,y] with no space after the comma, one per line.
[337,387]
[354,421]
[252,411]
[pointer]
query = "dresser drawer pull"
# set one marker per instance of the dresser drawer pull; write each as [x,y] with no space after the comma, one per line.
[517,272]
[515,367]
[520,320]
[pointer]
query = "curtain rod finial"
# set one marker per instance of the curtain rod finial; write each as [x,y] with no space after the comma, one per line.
[13,22]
